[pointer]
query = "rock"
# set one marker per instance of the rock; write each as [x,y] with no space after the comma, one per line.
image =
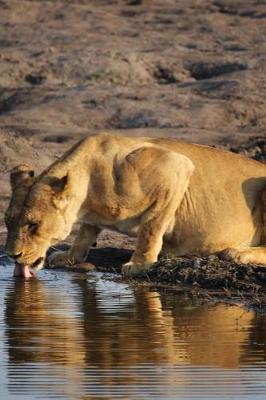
[35,79]
[205,70]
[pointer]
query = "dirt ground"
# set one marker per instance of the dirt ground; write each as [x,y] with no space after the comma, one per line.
[189,69]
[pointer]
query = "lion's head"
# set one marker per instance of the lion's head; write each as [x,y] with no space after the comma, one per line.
[36,215]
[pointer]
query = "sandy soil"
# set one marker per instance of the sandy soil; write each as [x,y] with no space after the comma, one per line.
[189,69]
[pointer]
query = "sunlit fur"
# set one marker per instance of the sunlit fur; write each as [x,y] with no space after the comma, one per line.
[184,198]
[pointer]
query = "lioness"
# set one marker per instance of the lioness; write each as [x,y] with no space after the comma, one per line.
[185,198]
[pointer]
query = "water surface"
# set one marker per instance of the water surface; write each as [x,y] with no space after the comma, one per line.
[76,336]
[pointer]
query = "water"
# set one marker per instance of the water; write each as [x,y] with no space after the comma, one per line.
[75,336]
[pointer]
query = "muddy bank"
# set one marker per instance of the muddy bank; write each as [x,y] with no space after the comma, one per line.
[253,147]
[207,278]
[210,278]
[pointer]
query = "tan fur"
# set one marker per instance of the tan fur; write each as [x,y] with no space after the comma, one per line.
[185,198]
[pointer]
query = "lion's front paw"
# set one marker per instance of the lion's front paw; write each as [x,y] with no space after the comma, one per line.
[133,269]
[60,259]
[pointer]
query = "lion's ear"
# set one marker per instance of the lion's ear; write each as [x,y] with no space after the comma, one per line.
[59,188]
[58,185]
[21,175]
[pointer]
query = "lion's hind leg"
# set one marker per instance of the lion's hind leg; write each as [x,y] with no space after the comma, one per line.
[251,255]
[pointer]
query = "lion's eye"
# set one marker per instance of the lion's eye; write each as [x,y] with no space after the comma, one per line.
[33,227]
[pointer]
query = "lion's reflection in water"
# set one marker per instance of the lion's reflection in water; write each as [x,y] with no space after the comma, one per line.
[73,336]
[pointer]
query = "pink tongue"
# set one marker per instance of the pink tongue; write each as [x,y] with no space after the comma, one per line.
[23,270]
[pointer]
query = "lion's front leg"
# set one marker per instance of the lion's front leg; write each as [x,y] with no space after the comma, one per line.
[172,172]
[78,252]
[148,247]
[154,225]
